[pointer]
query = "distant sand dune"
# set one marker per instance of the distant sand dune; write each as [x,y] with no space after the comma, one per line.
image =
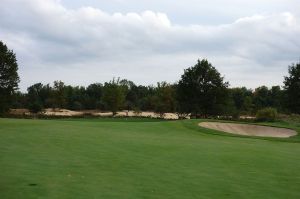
[70,113]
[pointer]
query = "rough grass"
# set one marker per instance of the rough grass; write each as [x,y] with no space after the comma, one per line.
[142,159]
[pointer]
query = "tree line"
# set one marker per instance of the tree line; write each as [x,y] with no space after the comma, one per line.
[201,91]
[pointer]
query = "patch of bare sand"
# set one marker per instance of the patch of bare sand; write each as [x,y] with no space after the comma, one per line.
[61,112]
[169,116]
[250,130]
[19,111]
[70,113]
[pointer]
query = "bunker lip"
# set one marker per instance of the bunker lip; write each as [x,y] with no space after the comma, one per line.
[249,129]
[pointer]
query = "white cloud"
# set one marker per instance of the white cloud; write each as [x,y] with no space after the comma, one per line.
[85,45]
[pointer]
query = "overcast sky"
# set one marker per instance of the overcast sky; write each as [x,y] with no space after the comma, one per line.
[85,41]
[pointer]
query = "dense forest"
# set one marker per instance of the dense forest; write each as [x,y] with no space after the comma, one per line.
[201,91]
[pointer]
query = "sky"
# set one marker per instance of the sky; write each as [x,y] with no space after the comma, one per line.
[251,43]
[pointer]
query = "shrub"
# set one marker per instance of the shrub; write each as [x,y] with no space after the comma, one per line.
[266,114]
[35,107]
[77,106]
[137,111]
[291,118]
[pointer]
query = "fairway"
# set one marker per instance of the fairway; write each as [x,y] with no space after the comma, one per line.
[142,158]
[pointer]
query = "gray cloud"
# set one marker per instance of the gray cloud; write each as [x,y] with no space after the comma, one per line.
[86,44]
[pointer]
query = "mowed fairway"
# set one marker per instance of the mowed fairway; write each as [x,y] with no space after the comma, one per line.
[141,159]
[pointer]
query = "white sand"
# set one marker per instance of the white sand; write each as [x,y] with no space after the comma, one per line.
[61,112]
[124,113]
[250,130]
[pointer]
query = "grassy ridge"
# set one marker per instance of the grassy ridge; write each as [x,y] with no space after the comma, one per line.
[138,159]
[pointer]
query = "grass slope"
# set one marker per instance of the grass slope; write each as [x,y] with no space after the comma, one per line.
[141,159]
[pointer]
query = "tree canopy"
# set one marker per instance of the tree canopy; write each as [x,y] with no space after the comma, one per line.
[201,90]
[9,77]
[292,86]
[114,95]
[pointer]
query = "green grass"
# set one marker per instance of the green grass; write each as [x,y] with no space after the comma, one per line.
[142,159]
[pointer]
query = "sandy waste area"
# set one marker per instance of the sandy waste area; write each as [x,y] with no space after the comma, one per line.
[70,113]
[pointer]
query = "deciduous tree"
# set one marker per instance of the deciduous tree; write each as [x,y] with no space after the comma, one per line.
[202,90]
[292,86]
[9,77]
[113,95]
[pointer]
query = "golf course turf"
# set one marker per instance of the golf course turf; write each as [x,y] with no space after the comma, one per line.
[143,158]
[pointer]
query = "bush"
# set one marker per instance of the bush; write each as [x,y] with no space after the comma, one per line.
[266,114]
[291,118]
[35,107]
[77,106]
[137,111]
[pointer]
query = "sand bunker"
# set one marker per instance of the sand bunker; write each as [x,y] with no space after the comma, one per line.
[250,130]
